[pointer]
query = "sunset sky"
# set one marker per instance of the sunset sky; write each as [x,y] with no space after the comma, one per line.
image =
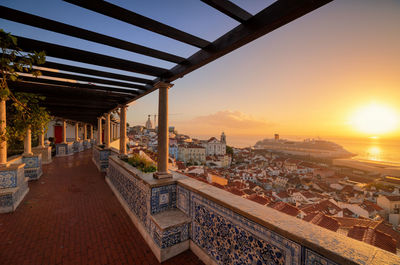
[308,78]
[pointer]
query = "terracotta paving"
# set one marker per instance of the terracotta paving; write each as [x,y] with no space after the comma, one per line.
[70,216]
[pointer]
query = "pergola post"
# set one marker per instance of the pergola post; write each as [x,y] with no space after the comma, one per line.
[99,131]
[162,163]
[122,132]
[3,141]
[107,131]
[41,138]
[84,131]
[64,131]
[76,132]
[91,132]
[28,142]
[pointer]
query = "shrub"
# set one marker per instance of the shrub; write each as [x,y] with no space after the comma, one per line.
[141,163]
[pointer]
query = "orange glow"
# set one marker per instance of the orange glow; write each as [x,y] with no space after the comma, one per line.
[375,119]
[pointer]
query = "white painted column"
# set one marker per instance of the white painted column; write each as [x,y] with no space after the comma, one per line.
[122,132]
[41,138]
[99,131]
[3,141]
[28,142]
[76,132]
[162,129]
[107,131]
[64,131]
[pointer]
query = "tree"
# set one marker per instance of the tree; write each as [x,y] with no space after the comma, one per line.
[24,110]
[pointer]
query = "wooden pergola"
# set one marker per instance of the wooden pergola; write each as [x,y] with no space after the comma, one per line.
[94,94]
[87,101]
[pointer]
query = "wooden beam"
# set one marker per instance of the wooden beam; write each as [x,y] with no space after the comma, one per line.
[66,93]
[63,52]
[274,16]
[138,20]
[87,71]
[92,80]
[55,26]
[80,85]
[229,9]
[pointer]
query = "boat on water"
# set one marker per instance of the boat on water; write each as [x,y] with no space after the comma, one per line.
[308,147]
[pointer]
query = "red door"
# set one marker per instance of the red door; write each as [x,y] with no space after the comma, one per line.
[58,133]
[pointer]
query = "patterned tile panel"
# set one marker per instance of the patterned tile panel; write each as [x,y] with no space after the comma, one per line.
[8,179]
[6,200]
[101,158]
[133,191]
[183,198]
[163,198]
[230,238]
[169,237]
[312,258]
[33,166]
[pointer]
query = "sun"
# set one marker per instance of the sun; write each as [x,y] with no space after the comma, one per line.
[375,119]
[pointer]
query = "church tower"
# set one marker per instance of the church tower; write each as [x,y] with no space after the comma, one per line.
[223,138]
[149,126]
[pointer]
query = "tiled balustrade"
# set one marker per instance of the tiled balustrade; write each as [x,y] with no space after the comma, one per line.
[78,146]
[222,228]
[33,166]
[100,157]
[46,153]
[65,149]
[13,187]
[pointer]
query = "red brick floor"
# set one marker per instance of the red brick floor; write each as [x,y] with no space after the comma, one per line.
[70,216]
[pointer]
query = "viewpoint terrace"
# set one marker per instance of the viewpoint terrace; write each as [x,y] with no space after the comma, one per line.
[173,213]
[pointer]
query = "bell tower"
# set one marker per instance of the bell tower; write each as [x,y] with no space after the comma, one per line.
[223,138]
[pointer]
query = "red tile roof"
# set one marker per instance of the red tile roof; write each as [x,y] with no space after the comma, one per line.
[373,237]
[322,220]
[285,208]
[258,199]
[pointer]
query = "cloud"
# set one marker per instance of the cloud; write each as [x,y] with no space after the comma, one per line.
[234,122]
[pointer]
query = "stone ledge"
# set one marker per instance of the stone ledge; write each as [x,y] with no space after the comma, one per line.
[12,166]
[334,246]
[170,219]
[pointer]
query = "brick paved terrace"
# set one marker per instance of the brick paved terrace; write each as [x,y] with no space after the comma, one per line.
[70,216]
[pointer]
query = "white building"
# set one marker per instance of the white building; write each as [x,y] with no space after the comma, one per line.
[214,146]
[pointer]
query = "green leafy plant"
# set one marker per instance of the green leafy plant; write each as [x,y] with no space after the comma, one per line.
[14,61]
[24,110]
[141,163]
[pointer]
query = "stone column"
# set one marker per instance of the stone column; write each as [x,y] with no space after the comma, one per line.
[99,131]
[85,131]
[76,132]
[3,142]
[91,132]
[28,143]
[122,132]
[64,131]
[107,131]
[162,162]
[41,138]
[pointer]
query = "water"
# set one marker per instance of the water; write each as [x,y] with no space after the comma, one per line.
[386,150]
